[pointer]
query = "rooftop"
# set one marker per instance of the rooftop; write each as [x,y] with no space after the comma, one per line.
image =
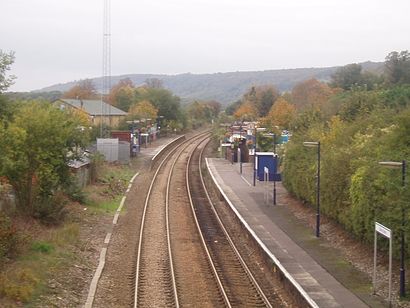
[94,107]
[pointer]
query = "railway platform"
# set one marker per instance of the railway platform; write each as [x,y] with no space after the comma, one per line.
[314,265]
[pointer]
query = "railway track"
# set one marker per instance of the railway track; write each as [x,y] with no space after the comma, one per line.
[185,256]
[237,284]
[155,283]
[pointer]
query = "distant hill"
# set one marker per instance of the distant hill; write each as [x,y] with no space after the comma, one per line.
[226,87]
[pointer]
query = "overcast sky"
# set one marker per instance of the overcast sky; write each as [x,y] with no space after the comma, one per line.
[60,41]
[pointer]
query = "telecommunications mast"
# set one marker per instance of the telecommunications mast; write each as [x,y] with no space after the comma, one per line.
[106,64]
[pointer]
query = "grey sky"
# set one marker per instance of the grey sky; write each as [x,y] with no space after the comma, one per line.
[59,41]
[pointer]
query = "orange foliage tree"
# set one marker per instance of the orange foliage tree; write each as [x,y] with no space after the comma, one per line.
[85,89]
[246,112]
[122,94]
[281,114]
[311,93]
[262,98]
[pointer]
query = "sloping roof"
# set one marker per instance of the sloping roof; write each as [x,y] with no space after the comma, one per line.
[94,107]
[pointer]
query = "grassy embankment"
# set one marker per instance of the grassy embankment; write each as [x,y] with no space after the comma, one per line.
[42,252]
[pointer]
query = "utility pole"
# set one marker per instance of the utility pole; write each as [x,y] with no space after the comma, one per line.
[106,62]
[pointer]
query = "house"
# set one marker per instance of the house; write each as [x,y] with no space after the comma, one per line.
[97,110]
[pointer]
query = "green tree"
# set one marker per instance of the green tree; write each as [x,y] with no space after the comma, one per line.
[143,109]
[261,98]
[347,76]
[230,110]
[36,147]
[168,105]
[122,94]
[397,67]
[6,60]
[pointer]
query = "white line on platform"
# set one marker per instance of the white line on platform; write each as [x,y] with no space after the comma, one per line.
[96,278]
[107,238]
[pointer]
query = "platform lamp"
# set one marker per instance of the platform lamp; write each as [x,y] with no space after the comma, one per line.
[254,157]
[402,166]
[316,144]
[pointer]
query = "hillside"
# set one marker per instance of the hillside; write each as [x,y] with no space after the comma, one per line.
[226,87]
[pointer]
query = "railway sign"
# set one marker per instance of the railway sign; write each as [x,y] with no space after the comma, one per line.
[386,232]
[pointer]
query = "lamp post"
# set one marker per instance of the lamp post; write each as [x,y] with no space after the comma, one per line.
[274,143]
[316,144]
[159,124]
[240,151]
[254,158]
[402,165]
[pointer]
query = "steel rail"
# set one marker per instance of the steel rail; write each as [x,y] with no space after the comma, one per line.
[244,266]
[147,199]
[210,260]
[232,244]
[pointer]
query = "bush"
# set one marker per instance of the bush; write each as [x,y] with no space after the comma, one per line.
[40,246]
[18,285]
[75,193]
[8,236]
[355,190]
[50,210]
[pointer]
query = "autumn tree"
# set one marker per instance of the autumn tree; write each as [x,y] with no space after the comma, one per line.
[311,93]
[230,110]
[262,98]
[85,89]
[122,94]
[143,110]
[246,112]
[215,107]
[281,114]
[168,104]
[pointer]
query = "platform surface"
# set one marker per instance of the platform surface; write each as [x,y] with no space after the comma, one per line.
[283,236]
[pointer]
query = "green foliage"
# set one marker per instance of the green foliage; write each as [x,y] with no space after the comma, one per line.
[6,60]
[351,76]
[372,126]
[230,110]
[75,192]
[200,113]
[397,67]
[50,210]
[42,246]
[168,105]
[51,96]
[36,147]
[261,98]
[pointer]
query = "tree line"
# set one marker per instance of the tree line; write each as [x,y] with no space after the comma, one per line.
[38,140]
[360,118]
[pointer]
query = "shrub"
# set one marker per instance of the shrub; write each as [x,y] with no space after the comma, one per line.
[8,236]
[50,210]
[40,246]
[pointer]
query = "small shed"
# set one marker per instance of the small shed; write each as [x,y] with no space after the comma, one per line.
[81,168]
